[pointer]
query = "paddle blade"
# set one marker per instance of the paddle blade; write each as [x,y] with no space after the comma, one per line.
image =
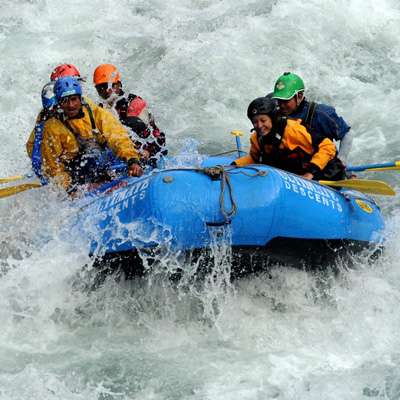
[10,191]
[363,185]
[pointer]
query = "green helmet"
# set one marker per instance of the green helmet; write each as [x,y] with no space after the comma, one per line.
[287,86]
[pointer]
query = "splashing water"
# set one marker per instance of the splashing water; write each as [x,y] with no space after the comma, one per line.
[285,334]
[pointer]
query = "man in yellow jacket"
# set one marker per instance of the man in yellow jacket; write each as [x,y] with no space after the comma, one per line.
[77,137]
[286,144]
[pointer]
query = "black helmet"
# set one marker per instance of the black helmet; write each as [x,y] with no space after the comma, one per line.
[261,105]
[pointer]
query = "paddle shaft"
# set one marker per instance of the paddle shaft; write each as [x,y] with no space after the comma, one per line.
[376,167]
[10,191]
[14,178]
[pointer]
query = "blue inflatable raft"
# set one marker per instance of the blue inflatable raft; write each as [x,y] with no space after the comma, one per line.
[264,214]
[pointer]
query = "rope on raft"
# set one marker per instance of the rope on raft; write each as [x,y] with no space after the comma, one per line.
[218,172]
[222,173]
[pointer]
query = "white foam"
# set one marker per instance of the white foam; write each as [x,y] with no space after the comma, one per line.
[198,63]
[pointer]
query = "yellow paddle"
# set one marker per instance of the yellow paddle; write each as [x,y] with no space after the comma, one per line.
[12,178]
[9,191]
[395,168]
[363,185]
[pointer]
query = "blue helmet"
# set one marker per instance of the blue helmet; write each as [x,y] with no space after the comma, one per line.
[67,86]
[48,97]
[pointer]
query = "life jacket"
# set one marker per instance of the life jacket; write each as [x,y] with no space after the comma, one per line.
[307,121]
[296,160]
[37,159]
[321,121]
[288,160]
[146,136]
[335,169]
[93,161]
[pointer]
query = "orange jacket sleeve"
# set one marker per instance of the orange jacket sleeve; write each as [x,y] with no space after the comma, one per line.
[296,135]
[254,153]
[326,152]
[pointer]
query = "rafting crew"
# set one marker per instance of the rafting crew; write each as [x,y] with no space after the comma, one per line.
[78,140]
[132,111]
[285,143]
[75,140]
[320,120]
[48,97]
[49,110]
[49,101]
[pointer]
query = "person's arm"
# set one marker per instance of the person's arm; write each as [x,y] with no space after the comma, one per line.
[327,123]
[136,124]
[296,135]
[326,152]
[115,134]
[245,160]
[118,140]
[254,154]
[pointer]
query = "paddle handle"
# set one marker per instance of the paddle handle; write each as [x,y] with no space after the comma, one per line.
[237,135]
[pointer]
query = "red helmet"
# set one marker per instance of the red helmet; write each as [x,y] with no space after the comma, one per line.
[64,70]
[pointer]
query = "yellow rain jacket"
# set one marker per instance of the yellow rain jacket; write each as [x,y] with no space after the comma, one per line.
[60,145]
[295,153]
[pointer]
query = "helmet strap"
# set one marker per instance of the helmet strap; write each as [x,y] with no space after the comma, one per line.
[299,98]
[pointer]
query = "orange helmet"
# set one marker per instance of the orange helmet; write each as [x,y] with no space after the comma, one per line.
[106,73]
[64,70]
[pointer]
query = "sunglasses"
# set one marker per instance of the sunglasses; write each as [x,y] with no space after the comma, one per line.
[103,87]
[66,99]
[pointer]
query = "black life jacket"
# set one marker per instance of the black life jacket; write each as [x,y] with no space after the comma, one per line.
[150,137]
[294,161]
[307,121]
[145,137]
[297,160]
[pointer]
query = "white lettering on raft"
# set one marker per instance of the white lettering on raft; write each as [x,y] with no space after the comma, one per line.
[124,196]
[314,192]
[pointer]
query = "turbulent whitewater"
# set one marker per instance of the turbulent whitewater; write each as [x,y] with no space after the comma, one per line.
[285,334]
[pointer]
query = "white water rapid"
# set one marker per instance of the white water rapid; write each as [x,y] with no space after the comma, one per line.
[198,63]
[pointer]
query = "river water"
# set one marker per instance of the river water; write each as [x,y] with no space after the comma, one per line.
[198,63]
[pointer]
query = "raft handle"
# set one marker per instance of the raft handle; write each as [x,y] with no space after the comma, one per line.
[222,223]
